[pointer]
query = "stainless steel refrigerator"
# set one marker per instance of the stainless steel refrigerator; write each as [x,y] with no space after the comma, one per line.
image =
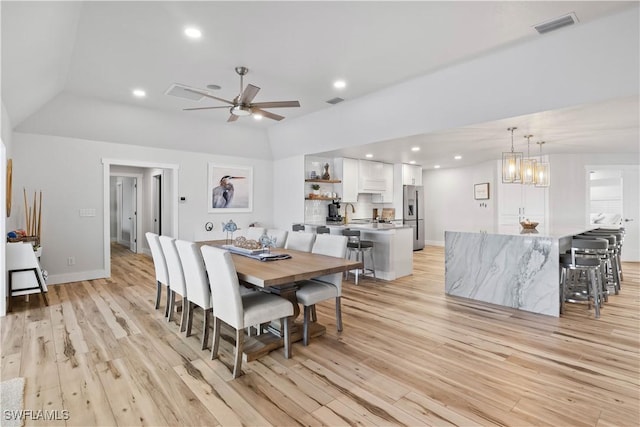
[413,215]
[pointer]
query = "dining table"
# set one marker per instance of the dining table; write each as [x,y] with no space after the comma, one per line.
[279,277]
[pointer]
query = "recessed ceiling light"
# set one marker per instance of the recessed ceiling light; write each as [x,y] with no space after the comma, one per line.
[412,162]
[436,166]
[415,149]
[139,93]
[458,157]
[257,116]
[339,84]
[192,33]
[368,156]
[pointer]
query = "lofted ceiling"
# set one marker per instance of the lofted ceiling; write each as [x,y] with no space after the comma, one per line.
[294,50]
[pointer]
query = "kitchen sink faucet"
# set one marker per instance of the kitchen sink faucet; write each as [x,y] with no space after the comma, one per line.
[346,216]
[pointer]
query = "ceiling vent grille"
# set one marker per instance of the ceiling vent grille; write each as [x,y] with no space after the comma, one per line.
[556,23]
[179,91]
[334,101]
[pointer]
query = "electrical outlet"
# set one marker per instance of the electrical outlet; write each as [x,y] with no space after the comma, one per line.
[71,260]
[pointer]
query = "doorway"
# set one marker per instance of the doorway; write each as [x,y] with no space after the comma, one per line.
[613,202]
[156,203]
[125,203]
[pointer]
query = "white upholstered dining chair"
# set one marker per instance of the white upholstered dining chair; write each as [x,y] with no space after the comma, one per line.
[160,266]
[197,283]
[279,235]
[176,279]
[300,241]
[240,311]
[325,287]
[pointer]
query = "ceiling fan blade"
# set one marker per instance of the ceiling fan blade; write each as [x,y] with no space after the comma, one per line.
[232,118]
[248,94]
[266,114]
[276,104]
[204,108]
[203,93]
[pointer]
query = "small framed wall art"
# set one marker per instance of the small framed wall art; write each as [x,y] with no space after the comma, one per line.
[230,188]
[481,191]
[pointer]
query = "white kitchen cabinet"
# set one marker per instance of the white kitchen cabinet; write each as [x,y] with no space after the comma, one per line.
[411,175]
[347,171]
[371,177]
[517,202]
[387,194]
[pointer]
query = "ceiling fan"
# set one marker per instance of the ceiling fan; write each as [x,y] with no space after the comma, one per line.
[241,104]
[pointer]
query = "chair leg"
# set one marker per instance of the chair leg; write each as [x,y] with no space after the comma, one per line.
[172,302]
[237,365]
[191,306]
[338,314]
[216,338]
[287,337]
[166,309]
[594,291]
[158,294]
[314,316]
[185,314]
[9,292]
[205,328]
[373,265]
[305,326]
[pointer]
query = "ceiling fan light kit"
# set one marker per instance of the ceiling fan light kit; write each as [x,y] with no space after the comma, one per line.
[243,105]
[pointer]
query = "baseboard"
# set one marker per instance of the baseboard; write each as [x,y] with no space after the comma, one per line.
[435,242]
[56,279]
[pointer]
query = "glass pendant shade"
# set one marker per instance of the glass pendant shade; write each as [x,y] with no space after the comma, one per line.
[511,167]
[542,170]
[529,171]
[511,164]
[542,174]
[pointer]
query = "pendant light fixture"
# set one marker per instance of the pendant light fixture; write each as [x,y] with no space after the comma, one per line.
[511,164]
[542,170]
[528,165]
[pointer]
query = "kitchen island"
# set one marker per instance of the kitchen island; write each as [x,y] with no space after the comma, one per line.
[509,267]
[392,246]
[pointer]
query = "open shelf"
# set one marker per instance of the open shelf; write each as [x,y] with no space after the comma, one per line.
[322,198]
[328,181]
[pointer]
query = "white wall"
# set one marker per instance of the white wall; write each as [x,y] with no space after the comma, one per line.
[70,174]
[589,63]
[568,197]
[288,191]
[5,223]
[450,203]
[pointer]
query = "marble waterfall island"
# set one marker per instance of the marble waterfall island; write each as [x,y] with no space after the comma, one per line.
[512,270]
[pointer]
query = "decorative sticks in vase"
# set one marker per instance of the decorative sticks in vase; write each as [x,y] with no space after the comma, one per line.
[33,222]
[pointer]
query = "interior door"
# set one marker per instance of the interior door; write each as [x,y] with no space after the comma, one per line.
[157,204]
[133,218]
[631,214]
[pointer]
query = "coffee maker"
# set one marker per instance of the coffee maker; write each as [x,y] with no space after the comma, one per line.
[334,212]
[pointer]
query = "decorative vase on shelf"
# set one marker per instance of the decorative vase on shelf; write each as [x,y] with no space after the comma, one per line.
[326,175]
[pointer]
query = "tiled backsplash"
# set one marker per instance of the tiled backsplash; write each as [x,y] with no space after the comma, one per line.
[316,211]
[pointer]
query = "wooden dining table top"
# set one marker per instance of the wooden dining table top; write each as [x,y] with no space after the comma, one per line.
[301,266]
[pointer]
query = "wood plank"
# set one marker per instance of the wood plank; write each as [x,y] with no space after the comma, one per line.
[408,355]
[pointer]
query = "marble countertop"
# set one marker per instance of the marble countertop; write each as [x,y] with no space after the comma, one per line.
[540,231]
[374,227]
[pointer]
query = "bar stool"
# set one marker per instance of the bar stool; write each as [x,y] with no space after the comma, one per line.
[610,270]
[359,247]
[616,248]
[584,259]
[322,230]
[297,227]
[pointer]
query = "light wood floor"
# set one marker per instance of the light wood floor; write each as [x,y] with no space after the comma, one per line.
[408,355]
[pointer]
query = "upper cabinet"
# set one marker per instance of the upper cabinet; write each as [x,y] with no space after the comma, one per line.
[371,177]
[364,176]
[411,175]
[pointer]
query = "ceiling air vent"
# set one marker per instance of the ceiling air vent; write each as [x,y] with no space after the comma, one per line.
[179,91]
[557,23]
[334,101]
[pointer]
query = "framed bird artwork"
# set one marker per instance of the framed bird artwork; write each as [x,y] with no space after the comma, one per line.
[230,188]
